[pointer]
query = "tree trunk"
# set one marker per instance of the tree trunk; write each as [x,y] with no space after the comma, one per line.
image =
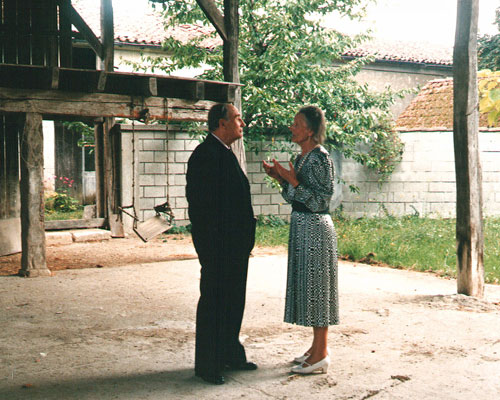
[469,228]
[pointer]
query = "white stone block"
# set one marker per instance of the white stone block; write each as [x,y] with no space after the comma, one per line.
[154,168]
[90,235]
[58,238]
[153,144]
[255,188]
[261,199]
[182,156]
[272,209]
[154,191]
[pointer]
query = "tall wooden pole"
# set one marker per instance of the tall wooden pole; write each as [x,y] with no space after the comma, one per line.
[469,229]
[33,261]
[231,67]
[111,176]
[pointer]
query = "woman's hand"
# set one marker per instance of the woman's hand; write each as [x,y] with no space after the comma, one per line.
[280,173]
[271,170]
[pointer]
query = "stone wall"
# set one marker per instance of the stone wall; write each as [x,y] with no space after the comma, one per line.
[423,183]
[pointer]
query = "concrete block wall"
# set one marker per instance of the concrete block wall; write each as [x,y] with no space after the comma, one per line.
[424,181]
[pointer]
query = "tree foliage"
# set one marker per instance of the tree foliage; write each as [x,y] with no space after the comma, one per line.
[489,95]
[489,48]
[287,59]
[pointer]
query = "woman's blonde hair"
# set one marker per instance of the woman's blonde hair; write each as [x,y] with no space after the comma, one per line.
[315,120]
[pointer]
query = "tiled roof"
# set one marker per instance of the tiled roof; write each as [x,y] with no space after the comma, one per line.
[413,52]
[432,109]
[145,26]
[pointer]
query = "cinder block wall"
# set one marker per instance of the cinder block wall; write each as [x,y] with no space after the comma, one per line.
[424,181]
[156,152]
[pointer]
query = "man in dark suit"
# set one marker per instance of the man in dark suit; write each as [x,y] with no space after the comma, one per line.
[223,232]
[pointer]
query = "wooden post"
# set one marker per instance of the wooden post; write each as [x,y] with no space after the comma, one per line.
[99,169]
[231,68]
[33,262]
[108,36]
[111,174]
[469,228]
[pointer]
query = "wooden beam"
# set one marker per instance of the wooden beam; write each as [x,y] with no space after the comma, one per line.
[469,225]
[85,30]
[50,14]
[92,81]
[99,167]
[38,33]
[13,125]
[9,37]
[23,41]
[54,104]
[54,78]
[214,16]
[107,35]
[65,39]
[33,261]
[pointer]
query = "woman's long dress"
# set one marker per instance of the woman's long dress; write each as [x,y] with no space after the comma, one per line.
[312,288]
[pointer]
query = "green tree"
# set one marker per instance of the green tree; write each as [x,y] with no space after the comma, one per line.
[288,59]
[488,52]
[489,95]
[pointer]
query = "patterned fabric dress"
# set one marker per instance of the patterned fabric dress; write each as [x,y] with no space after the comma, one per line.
[312,288]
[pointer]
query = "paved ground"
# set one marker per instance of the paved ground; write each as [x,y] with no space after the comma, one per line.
[128,333]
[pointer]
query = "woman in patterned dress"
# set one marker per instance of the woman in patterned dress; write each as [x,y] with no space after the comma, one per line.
[312,289]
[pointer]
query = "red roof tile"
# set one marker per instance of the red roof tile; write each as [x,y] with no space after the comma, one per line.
[413,52]
[432,109]
[145,26]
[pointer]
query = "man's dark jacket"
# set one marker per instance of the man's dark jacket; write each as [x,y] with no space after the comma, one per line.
[223,232]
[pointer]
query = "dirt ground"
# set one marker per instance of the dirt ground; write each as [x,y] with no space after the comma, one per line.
[127,332]
[117,252]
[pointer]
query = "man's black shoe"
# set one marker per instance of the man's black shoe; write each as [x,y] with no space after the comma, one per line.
[246,366]
[215,379]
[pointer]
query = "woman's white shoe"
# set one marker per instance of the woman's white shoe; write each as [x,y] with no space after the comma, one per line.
[301,359]
[306,368]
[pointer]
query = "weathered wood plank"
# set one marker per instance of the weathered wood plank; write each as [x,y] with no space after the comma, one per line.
[469,225]
[12,125]
[65,42]
[39,32]
[50,14]
[3,170]
[75,224]
[107,35]
[112,176]
[214,16]
[92,81]
[99,167]
[9,32]
[53,104]
[33,260]
[24,25]
[85,30]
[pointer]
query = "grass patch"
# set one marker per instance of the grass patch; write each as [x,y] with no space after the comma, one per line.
[59,215]
[421,244]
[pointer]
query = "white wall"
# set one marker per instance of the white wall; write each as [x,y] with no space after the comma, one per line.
[424,181]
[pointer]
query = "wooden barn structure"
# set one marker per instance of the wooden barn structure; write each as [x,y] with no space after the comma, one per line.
[38,81]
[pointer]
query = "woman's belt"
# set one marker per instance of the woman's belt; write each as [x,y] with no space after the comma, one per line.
[301,207]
